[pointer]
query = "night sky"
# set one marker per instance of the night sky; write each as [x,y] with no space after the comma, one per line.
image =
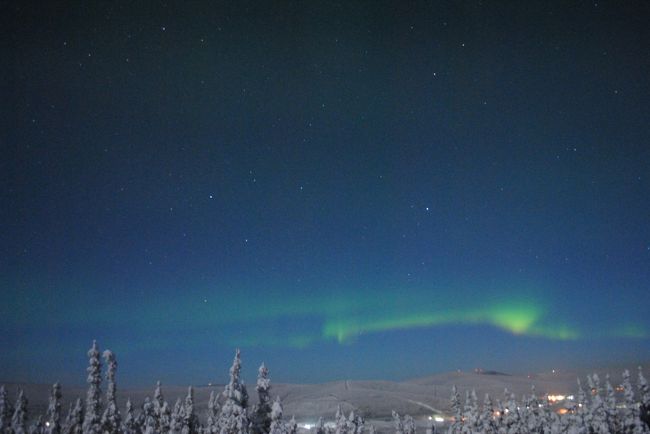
[342,189]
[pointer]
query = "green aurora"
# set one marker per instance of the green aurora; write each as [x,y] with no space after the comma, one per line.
[299,319]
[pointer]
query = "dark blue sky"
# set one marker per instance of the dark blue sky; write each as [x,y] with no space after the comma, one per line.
[367,190]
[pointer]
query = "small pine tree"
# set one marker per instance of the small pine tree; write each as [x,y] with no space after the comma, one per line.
[262,414]
[320,426]
[292,426]
[19,419]
[611,413]
[38,427]
[644,394]
[486,423]
[53,415]
[157,403]
[213,414]
[277,425]
[409,425]
[233,418]
[457,411]
[148,417]
[92,418]
[177,416]
[6,411]
[631,423]
[397,423]
[131,425]
[190,420]
[597,408]
[341,423]
[165,419]
[111,419]
[75,419]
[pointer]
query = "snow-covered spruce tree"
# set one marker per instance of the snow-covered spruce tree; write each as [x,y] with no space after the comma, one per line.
[599,423]
[611,412]
[190,420]
[340,422]
[148,417]
[213,414]
[233,418]
[470,413]
[292,426]
[6,410]
[75,419]
[486,420]
[512,419]
[92,417]
[261,417]
[19,418]
[457,424]
[277,425]
[355,424]
[38,427]
[157,403]
[130,425]
[409,425]
[631,423]
[111,421]
[53,415]
[644,397]
[582,416]
[165,419]
[320,427]
[397,423]
[178,414]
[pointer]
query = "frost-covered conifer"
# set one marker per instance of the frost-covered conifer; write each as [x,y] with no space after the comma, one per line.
[262,414]
[397,423]
[178,415]
[6,410]
[512,419]
[470,413]
[320,426]
[130,422]
[486,420]
[75,419]
[292,426]
[277,425]
[53,415]
[19,419]
[631,423]
[233,418]
[611,413]
[157,402]
[190,420]
[92,418]
[597,408]
[340,422]
[353,424]
[644,390]
[213,414]
[165,419]
[38,427]
[409,425]
[644,397]
[111,419]
[456,409]
[148,417]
